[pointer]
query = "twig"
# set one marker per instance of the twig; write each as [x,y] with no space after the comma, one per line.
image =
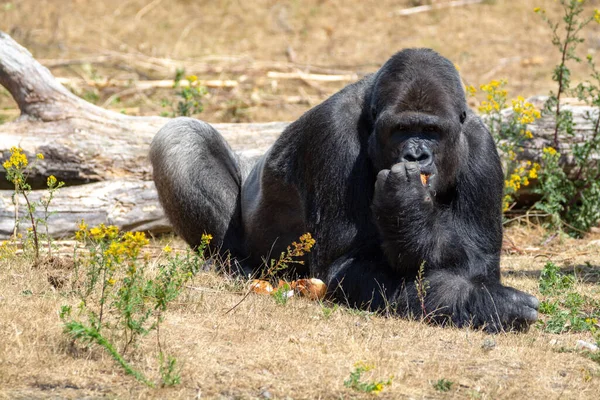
[436,6]
[146,85]
[209,290]
[313,77]
[146,9]
[239,302]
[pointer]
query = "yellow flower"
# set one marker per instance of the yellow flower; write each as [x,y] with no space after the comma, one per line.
[51,181]
[377,388]
[192,78]
[597,16]
[506,202]
[17,160]
[40,156]
[551,151]
[111,281]
[82,226]
[97,233]
[206,238]
[470,90]
[533,172]
[132,243]
[167,249]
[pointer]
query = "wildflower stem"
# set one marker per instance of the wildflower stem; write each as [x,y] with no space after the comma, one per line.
[33,226]
[15,199]
[102,299]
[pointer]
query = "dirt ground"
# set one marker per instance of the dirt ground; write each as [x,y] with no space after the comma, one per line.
[243,41]
[303,349]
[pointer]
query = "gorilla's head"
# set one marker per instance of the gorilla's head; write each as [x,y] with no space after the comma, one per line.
[418,107]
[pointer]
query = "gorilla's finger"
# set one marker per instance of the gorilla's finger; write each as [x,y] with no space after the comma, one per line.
[413,172]
[529,314]
[399,168]
[532,302]
[382,177]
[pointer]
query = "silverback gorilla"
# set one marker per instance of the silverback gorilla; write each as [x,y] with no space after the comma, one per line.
[349,172]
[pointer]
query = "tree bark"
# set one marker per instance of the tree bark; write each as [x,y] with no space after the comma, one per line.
[101,155]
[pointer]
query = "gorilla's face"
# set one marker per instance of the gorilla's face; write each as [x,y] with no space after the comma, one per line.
[418,107]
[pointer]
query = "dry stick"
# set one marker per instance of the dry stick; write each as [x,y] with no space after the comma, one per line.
[312,77]
[145,85]
[146,9]
[437,6]
[560,87]
[239,302]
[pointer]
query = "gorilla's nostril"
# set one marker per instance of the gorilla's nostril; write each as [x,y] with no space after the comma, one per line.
[420,155]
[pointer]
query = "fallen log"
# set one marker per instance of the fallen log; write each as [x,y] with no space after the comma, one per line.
[101,155]
[130,205]
[83,144]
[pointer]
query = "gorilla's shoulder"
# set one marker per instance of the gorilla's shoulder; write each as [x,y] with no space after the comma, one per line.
[476,131]
[347,104]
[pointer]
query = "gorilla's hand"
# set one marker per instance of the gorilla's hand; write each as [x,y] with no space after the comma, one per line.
[498,308]
[477,303]
[400,193]
[404,213]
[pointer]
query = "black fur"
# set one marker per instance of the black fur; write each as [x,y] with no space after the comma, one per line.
[348,171]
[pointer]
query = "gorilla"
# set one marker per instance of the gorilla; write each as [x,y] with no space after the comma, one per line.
[399,183]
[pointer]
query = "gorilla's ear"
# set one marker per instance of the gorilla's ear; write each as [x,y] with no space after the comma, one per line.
[463,116]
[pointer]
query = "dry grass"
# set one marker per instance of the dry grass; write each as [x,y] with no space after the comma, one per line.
[296,350]
[243,40]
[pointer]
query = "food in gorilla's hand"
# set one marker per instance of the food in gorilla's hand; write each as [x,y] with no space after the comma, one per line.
[425,179]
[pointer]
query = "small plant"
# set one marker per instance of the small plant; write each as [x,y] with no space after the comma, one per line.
[565,308]
[119,301]
[168,371]
[289,257]
[282,294]
[329,311]
[553,282]
[422,285]
[356,381]
[17,171]
[571,199]
[443,385]
[190,93]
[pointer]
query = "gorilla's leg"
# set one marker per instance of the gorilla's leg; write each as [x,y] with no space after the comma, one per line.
[198,180]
